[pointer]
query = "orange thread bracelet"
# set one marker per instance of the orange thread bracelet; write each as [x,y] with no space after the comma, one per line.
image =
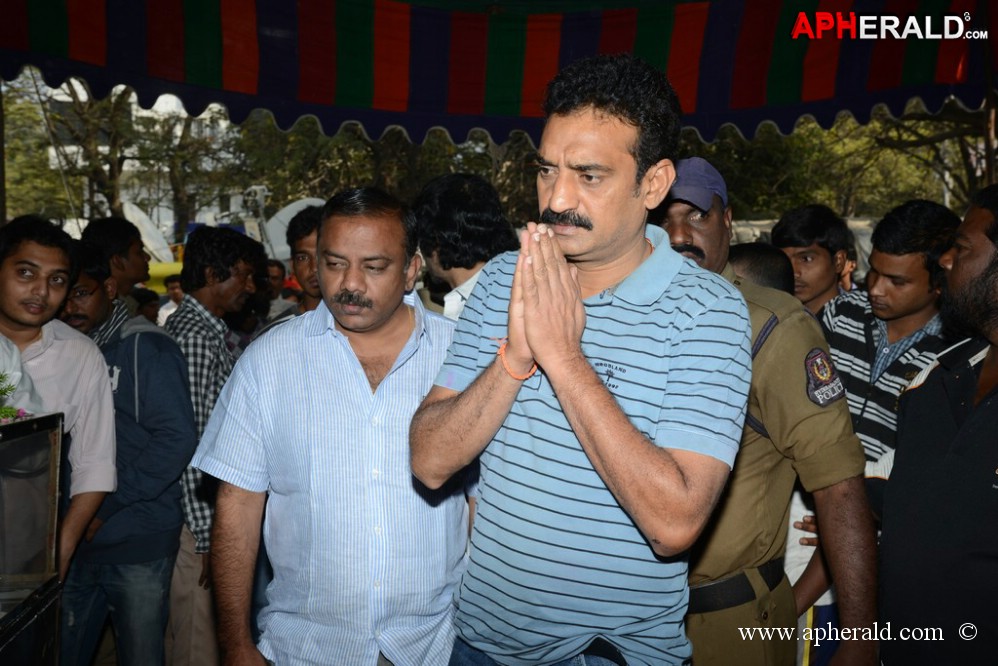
[505,366]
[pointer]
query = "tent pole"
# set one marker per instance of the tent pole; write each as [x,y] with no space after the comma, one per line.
[3,163]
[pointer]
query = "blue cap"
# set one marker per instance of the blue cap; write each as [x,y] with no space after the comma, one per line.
[697,182]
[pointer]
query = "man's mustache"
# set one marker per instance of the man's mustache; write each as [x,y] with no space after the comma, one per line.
[568,218]
[690,249]
[352,298]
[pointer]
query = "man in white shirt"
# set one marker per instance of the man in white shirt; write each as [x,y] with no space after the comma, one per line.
[366,560]
[461,226]
[37,265]
[175,294]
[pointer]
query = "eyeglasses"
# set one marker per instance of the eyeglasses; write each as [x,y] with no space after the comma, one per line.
[81,295]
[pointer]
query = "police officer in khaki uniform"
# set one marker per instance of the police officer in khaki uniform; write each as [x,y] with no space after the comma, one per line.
[798,424]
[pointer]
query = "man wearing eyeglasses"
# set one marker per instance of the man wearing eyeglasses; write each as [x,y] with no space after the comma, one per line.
[124,566]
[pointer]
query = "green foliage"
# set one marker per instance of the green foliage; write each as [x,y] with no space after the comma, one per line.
[845,167]
[32,185]
[6,389]
[193,163]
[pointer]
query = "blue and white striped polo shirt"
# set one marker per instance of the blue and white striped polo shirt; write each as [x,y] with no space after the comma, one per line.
[555,561]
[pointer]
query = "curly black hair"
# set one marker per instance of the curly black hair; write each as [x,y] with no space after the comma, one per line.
[217,249]
[305,222]
[629,88]
[37,229]
[918,226]
[812,224]
[459,217]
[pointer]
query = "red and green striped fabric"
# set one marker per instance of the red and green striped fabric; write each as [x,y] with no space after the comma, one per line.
[485,64]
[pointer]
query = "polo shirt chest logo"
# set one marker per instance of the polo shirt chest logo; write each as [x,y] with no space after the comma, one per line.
[610,372]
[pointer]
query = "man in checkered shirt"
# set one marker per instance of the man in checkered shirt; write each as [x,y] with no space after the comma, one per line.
[217,278]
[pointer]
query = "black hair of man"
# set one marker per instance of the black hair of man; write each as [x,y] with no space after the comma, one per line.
[305,222]
[628,88]
[111,235]
[812,224]
[918,226]
[171,279]
[143,296]
[277,263]
[93,263]
[459,217]
[37,229]
[217,249]
[763,264]
[987,199]
[372,202]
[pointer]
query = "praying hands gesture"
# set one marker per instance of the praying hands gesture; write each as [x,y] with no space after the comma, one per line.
[546,315]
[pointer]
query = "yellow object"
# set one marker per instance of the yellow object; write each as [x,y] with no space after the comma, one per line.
[158,271]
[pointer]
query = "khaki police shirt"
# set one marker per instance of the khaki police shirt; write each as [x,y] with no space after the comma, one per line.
[799,399]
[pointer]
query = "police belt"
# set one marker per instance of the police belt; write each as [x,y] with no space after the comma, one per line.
[733,591]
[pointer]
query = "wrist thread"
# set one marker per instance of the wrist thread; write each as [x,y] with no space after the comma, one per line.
[509,371]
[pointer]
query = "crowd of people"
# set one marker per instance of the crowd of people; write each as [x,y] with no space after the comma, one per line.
[618,439]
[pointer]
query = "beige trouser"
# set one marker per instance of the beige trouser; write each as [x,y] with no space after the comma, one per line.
[717,641]
[190,633]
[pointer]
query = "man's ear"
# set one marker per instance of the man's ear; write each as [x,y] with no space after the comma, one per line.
[110,287]
[727,216]
[657,181]
[412,271]
[117,263]
[839,260]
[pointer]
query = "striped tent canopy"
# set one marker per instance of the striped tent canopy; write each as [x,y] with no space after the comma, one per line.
[468,64]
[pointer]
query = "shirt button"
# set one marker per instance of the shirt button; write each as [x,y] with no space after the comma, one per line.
[377,584]
[376,473]
[376,421]
[377,530]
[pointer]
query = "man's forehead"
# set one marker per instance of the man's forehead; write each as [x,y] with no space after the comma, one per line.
[977,220]
[351,229]
[802,249]
[242,266]
[84,280]
[564,129]
[45,256]
[306,242]
[887,263]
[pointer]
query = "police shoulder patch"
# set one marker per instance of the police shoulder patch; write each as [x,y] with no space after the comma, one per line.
[823,384]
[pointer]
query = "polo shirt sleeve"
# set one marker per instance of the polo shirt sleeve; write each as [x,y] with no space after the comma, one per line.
[462,365]
[92,451]
[803,406]
[703,406]
[232,447]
